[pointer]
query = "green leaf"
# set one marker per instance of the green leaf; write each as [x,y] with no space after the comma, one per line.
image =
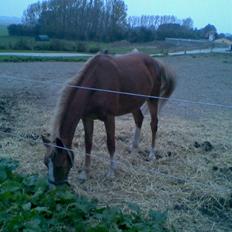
[99,228]
[8,163]
[134,207]
[30,181]
[26,206]
[3,174]
[33,225]
[10,186]
[157,217]
[42,210]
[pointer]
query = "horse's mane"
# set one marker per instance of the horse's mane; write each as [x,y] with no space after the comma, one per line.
[66,94]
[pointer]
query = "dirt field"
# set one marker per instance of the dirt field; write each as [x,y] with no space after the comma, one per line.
[191,180]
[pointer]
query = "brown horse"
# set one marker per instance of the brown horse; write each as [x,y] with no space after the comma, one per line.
[135,73]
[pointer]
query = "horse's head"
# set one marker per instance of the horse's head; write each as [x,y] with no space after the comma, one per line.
[59,161]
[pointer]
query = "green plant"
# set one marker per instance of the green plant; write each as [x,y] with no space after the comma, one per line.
[61,45]
[94,49]
[23,45]
[42,46]
[3,30]
[3,47]
[27,204]
[81,47]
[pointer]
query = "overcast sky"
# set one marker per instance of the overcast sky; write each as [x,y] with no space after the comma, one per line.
[216,12]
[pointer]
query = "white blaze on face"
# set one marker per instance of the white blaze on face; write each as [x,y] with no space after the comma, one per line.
[50,171]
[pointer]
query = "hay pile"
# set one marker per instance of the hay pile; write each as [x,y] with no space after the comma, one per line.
[190,182]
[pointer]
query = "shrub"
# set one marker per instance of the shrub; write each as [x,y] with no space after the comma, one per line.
[94,49]
[3,47]
[61,45]
[56,45]
[23,44]
[22,30]
[27,204]
[81,47]
[42,46]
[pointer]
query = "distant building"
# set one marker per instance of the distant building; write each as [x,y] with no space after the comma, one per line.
[42,38]
[225,41]
[211,36]
[180,40]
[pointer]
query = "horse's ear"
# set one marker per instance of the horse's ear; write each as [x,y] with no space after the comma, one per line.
[59,142]
[45,140]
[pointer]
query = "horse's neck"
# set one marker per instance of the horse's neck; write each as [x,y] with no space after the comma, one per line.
[65,133]
[69,115]
[66,126]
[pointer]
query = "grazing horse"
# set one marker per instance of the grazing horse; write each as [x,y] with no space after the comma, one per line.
[134,73]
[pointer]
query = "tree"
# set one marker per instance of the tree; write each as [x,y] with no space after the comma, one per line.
[188,23]
[79,19]
[207,30]
[168,30]
[32,14]
[117,22]
[21,30]
[174,30]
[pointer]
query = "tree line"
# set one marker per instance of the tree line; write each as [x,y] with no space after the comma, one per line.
[101,20]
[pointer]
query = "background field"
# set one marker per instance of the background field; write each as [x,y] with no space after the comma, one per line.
[190,180]
[29,44]
[3,30]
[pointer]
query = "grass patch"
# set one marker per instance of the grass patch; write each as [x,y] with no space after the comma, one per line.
[27,204]
[120,47]
[3,30]
[10,42]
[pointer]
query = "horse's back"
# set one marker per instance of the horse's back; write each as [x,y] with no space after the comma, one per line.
[131,66]
[126,73]
[129,73]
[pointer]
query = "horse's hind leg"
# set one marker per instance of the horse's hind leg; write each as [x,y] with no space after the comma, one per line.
[153,108]
[110,132]
[88,128]
[138,118]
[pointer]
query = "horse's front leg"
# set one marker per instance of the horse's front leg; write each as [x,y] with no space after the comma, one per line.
[110,132]
[88,128]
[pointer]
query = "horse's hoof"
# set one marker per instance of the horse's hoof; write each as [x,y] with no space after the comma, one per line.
[82,176]
[151,157]
[132,148]
[110,174]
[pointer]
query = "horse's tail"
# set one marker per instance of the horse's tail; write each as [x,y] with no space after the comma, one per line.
[168,83]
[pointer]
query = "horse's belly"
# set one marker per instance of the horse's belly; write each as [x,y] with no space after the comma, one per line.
[129,104]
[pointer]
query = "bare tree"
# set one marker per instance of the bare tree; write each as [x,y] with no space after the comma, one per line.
[188,23]
[32,14]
